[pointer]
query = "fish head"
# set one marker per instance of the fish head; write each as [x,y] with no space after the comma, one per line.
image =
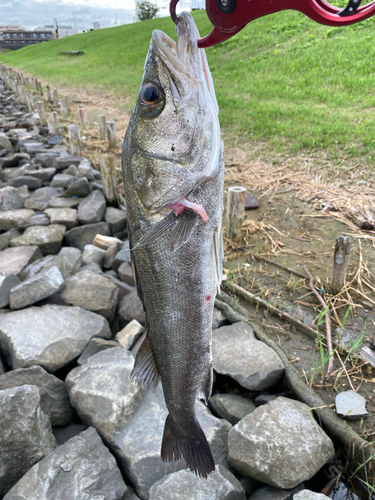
[173,139]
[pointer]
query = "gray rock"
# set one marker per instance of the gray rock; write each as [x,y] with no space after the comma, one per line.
[279,444]
[93,266]
[351,405]
[25,434]
[251,201]
[55,140]
[109,411]
[92,292]
[2,367]
[128,335]
[66,161]
[270,493]
[34,147]
[71,170]
[137,447]
[65,216]
[11,218]
[82,468]
[95,346]
[64,202]
[92,253]
[83,235]
[13,161]
[68,260]
[50,336]
[110,254]
[6,144]
[45,174]
[66,432]
[34,220]
[237,353]
[35,267]
[116,219]
[62,180]
[185,485]
[15,260]
[309,495]
[231,407]
[218,319]
[80,187]
[130,307]
[7,282]
[125,273]
[47,238]
[7,236]
[37,288]
[85,170]
[10,199]
[54,397]
[47,159]
[122,256]
[92,208]
[40,198]
[26,180]
[263,399]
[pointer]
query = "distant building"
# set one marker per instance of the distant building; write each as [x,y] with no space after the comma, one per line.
[64,30]
[14,39]
[8,27]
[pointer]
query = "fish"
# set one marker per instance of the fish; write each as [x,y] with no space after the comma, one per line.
[173,175]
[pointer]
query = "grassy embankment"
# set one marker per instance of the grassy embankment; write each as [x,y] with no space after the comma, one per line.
[284,80]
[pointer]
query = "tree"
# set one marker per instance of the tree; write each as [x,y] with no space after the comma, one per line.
[145,10]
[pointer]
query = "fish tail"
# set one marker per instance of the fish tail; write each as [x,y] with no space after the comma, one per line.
[190,443]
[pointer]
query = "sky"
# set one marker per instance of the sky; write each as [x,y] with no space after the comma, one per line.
[81,13]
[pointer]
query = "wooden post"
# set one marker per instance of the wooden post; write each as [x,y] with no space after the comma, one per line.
[106,165]
[55,98]
[75,140]
[40,88]
[103,128]
[33,83]
[49,93]
[15,87]
[55,126]
[111,134]
[235,212]
[105,242]
[30,102]
[42,113]
[82,115]
[64,107]
[343,248]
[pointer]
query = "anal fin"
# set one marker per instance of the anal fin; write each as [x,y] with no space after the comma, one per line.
[145,371]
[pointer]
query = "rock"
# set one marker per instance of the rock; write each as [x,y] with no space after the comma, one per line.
[231,407]
[34,220]
[37,288]
[251,201]
[128,335]
[64,433]
[80,187]
[25,434]
[109,411]
[55,140]
[50,336]
[122,256]
[125,273]
[309,495]
[13,161]
[110,255]
[351,405]
[11,218]
[54,397]
[15,260]
[62,180]
[263,399]
[279,444]
[71,170]
[92,266]
[65,216]
[64,202]
[270,493]
[185,485]
[10,199]
[92,292]
[2,367]
[68,260]
[218,319]
[92,208]
[26,180]
[7,282]
[40,198]
[95,346]
[92,253]
[6,144]
[47,160]
[35,267]
[82,468]
[34,147]
[45,174]
[116,219]
[66,161]
[7,236]
[237,353]
[130,307]
[83,235]
[47,238]
[85,171]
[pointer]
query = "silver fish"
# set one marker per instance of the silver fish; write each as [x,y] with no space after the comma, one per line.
[173,179]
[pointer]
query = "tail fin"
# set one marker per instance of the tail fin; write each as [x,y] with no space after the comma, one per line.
[192,445]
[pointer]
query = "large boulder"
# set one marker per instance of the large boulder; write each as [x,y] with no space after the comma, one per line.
[11,218]
[185,485]
[50,336]
[25,434]
[279,444]
[54,397]
[83,235]
[47,238]
[82,468]
[92,208]
[93,292]
[10,199]
[15,260]
[237,353]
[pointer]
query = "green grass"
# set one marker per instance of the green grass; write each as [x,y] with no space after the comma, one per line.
[283,80]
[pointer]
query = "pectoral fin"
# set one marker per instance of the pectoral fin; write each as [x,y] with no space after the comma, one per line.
[145,371]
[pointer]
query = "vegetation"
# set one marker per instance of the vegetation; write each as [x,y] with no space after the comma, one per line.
[284,79]
[145,10]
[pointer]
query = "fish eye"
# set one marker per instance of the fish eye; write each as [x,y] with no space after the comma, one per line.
[150,96]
